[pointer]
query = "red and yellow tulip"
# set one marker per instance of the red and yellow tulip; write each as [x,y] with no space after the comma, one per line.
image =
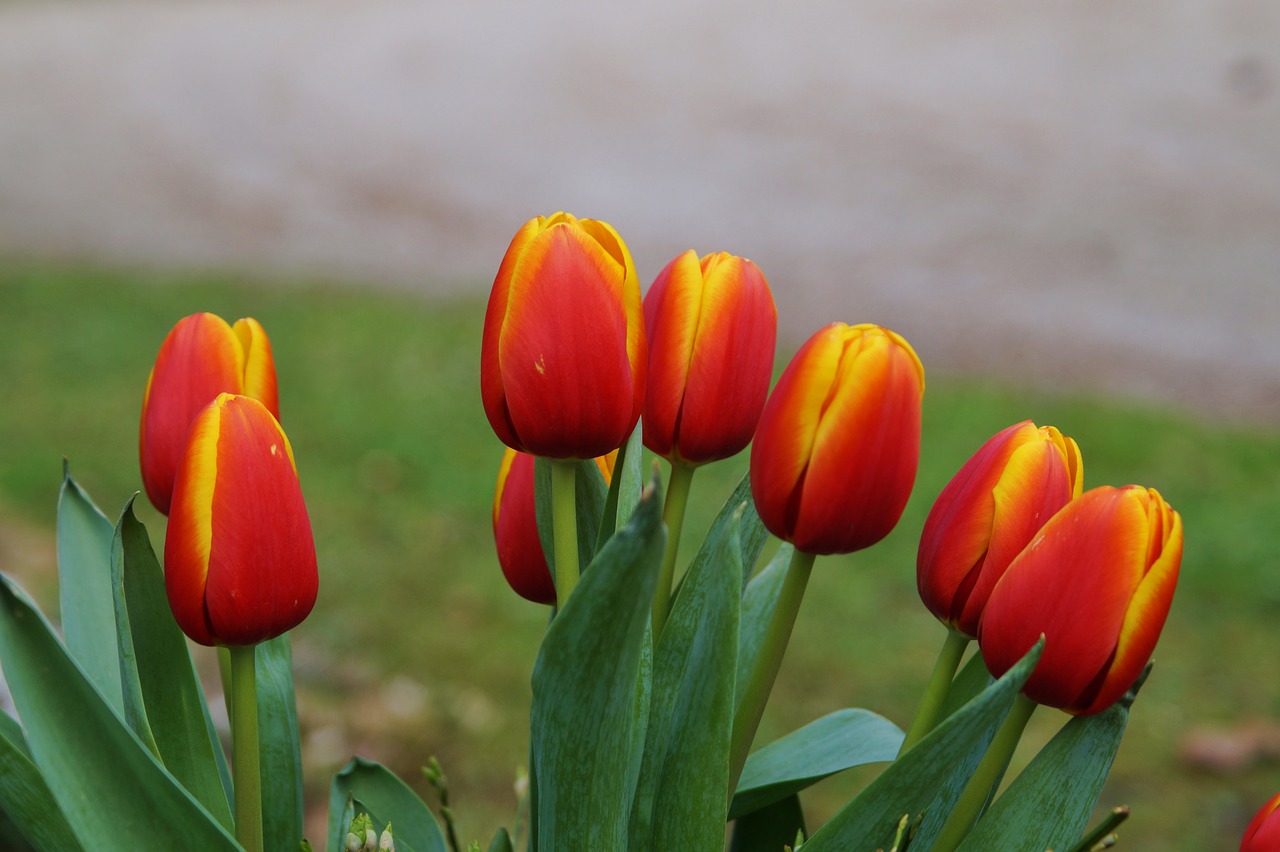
[201,357]
[1096,581]
[239,557]
[987,513]
[711,326]
[838,443]
[1263,833]
[563,358]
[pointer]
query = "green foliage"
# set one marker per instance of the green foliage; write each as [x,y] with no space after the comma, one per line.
[367,787]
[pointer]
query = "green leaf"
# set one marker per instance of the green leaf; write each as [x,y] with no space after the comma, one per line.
[584,716]
[501,842]
[750,529]
[972,679]
[929,777]
[84,588]
[376,790]
[770,828]
[590,491]
[680,801]
[163,701]
[279,754]
[108,785]
[25,798]
[1048,805]
[834,743]
[758,602]
[624,487]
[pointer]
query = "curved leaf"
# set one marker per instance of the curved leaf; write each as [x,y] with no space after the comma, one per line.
[280,756]
[377,791]
[25,798]
[758,602]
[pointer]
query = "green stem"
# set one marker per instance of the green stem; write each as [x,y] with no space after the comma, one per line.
[244,742]
[564,525]
[673,517]
[944,671]
[986,776]
[765,670]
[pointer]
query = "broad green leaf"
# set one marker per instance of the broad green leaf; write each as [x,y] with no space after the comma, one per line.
[590,491]
[84,588]
[280,758]
[584,719]
[834,743]
[758,602]
[501,842]
[624,487]
[163,701]
[12,731]
[929,777]
[25,798]
[972,679]
[751,532]
[770,828]
[106,782]
[375,790]
[1048,805]
[680,801]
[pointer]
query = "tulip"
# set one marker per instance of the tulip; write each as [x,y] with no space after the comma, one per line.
[711,326]
[1096,581]
[239,558]
[515,527]
[838,442]
[200,358]
[1263,833]
[987,513]
[563,359]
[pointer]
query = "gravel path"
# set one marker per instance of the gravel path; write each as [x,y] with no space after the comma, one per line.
[1076,192]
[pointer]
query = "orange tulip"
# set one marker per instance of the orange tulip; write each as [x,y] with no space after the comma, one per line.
[515,527]
[239,558]
[1096,581]
[563,359]
[836,449]
[711,326]
[1263,833]
[987,513]
[200,358]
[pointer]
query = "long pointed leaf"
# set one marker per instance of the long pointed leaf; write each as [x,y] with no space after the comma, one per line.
[758,602]
[280,757]
[624,487]
[379,793]
[26,799]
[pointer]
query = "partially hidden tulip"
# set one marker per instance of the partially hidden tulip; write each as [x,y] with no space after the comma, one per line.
[711,326]
[201,357]
[563,357]
[1263,833]
[1096,581]
[239,557]
[515,527]
[835,453]
[988,513]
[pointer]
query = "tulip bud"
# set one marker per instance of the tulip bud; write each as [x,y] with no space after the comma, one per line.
[515,527]
[1263,833]
[710,326]
[239,558]
[836,450]
[987,513]
[200,358]
[1096,581]
[562,359]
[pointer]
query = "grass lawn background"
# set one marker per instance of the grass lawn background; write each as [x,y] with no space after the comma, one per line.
[416,646]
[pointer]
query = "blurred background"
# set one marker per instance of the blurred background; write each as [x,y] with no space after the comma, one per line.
[1072,210]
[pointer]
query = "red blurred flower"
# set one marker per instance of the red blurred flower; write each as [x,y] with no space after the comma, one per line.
[515,527]
[562,361]
[239,557]
[200,358]
[1263,833]
[1097,582]
[987,513]
[836,449]
[711,326]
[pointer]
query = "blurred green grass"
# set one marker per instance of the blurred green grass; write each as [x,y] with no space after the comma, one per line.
[416,647]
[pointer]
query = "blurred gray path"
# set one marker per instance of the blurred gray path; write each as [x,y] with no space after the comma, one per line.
[1073,191]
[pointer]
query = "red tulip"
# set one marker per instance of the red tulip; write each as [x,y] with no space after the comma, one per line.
[1263,833]
[836,450]
[711,326]
[987,513]
[1096,581]
[201,358]
[562,361]
[239,558]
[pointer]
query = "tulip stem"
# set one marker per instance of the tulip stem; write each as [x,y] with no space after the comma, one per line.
[564,525]
[985,778]
[673,516]
[769,660]
[944,671]
[244,742]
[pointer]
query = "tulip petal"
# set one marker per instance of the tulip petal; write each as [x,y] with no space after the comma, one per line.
[671,310]
[259,365]
[188,539]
